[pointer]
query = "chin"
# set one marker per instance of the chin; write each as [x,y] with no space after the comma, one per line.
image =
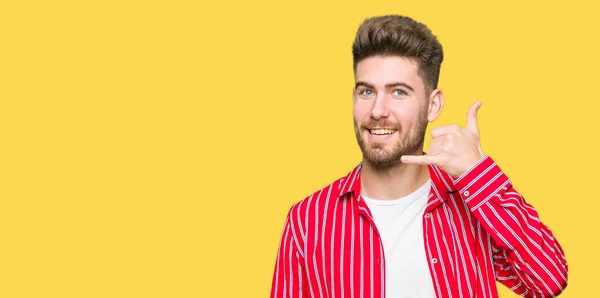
[381,159]
[383,163]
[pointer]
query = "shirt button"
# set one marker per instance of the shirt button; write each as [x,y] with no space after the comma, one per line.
[466,193]
[427,215]
[434,260]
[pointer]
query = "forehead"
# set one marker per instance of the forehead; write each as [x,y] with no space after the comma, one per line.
[382,70]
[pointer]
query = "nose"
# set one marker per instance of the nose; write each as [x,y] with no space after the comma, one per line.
[380,108]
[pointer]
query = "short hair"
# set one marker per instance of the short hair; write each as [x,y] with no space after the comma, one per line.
[395,35]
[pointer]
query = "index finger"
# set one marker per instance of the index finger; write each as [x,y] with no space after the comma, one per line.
[443,130]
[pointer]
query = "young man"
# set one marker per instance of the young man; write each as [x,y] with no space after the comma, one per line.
[447,223]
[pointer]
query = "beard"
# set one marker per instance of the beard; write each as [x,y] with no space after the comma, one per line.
[408,142]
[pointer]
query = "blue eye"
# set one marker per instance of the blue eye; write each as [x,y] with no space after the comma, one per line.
[367,92]
[399,92]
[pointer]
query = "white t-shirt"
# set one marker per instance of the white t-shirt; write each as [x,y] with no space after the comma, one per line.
[400,224]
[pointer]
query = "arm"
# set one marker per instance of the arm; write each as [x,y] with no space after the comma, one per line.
[289,273]
[526,256]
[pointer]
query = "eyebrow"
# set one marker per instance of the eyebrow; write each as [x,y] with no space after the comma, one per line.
[390,85]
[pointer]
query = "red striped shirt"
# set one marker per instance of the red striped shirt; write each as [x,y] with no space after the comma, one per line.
[477,229]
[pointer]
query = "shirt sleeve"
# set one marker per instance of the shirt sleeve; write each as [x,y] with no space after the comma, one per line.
[526,256]
[288,276]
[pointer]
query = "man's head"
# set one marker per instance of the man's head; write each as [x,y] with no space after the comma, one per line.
[396,68]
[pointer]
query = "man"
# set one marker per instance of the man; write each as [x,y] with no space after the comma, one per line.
[447,223]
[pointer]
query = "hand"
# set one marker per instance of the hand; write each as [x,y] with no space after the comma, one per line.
[454,149]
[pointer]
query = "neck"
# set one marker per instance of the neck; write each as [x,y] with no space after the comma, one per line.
[392,182]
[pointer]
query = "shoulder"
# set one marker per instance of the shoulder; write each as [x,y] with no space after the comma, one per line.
[319,201]
[315,207]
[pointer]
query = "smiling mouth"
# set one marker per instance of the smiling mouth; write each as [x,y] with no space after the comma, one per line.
[382,131]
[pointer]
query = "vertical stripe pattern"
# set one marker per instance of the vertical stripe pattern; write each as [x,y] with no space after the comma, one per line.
[477,229]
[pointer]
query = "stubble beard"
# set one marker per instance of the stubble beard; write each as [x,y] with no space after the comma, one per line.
[380,157]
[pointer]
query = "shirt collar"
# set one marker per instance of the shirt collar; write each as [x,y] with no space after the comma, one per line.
[441,185]
[351,183]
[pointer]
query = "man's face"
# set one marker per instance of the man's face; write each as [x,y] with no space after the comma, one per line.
[390,109]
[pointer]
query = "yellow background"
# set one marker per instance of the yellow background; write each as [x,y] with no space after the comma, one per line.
[153,148]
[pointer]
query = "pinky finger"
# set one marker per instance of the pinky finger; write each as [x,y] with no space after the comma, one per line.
[420,160]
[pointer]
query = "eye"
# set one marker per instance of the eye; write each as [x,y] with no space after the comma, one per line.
[366,92]
[399,92]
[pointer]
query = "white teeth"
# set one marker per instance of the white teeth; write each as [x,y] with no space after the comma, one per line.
[382,131]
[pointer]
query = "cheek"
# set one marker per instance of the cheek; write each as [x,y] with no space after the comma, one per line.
[360,112]
[406,123]
[408,116]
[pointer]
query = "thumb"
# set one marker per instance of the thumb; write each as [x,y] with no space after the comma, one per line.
[472,117]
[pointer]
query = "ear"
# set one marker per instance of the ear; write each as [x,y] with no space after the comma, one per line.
[436,103]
